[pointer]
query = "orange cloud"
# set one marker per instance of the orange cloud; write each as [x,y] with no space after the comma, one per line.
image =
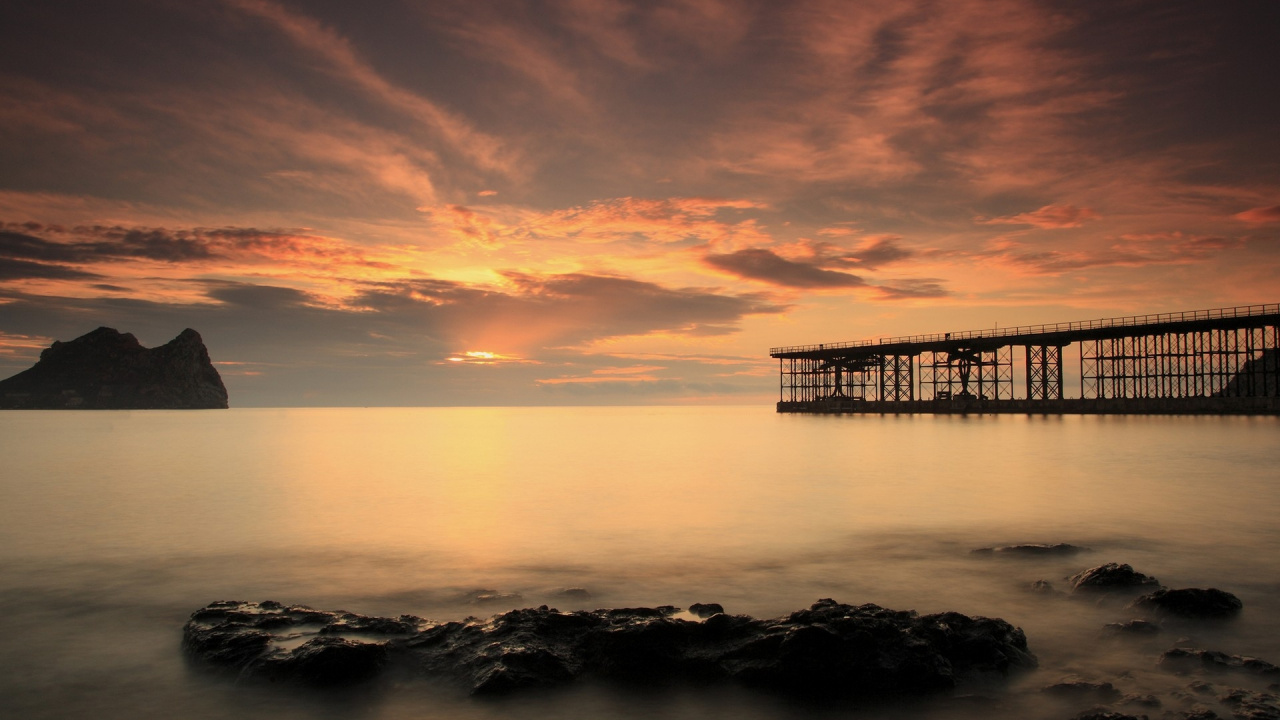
[876,94]
[627,219]
[628,374]
[1048,217]
[347,64]
[14,346]
[1260,215]
[1130,251]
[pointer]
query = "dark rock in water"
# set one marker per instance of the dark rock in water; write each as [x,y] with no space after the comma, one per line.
[706,610]
[1184,659]
[492,597]
[1043,587]
[1251,705]
[1080,688]
[107,370]
[830,649]
[1201,714]
[1032,550]
[1194,603]
[1104,714]
[1133,627]
[1111,577]
[573,593]
[1143,700]
[324,660]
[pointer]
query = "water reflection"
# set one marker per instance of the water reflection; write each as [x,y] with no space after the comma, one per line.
[115,526]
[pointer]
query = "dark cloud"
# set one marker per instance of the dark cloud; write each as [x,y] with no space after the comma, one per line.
[92,244]
[766,266]
[115,244]
[260,297]
[636,307]
[11,269]
[913,288]
[880,251]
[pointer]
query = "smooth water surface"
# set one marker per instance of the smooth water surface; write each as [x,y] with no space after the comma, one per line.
[114,526]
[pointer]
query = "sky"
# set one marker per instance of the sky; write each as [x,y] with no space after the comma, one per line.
[489,202]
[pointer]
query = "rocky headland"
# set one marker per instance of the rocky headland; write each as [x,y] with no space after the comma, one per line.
[109,370]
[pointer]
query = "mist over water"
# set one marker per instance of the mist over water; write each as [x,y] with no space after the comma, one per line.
[115,526]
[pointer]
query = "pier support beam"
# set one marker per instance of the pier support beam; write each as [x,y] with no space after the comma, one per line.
[1044,372]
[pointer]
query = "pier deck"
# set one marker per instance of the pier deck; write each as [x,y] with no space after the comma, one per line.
[1220,361]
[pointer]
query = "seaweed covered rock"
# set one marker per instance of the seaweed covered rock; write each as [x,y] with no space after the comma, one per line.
[109,370]
[1191,603]
[829,649]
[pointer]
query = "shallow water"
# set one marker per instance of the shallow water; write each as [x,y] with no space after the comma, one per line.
[115,526]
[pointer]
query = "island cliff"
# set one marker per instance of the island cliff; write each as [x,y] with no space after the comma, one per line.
[109,370]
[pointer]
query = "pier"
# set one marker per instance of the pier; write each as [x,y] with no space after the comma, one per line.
[1220,361]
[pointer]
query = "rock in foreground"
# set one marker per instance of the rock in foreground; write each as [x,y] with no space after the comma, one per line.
[1031,550]
[830,649]
[1111,577]
[1193,603]
[108,370]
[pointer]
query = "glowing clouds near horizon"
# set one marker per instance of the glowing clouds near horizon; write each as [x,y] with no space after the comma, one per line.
[482,357]
[548,195]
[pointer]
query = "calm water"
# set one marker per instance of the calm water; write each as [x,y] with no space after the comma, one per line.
[114,526]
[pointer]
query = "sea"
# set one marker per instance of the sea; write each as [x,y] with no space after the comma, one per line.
[116,525]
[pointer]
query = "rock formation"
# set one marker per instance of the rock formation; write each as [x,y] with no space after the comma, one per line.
[108,370]
[1195,603]
[1032,550]
[1111,577]
[829,649]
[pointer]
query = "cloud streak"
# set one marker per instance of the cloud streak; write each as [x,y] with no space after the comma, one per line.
[1048,217]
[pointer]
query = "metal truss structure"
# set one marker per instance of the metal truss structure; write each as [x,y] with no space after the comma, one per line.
[1206,356]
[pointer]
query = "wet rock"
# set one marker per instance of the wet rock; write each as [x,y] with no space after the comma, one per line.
[827,649]
[1079,688]
[706,610]
[1200,714]
[325,660]
[1042,587]
[1133,627]
[492,597]
[109,370]
[1192,603]
[1185,659]
[1250,705]
[1111,577]
[1150,701]
[573,593]
[1031,550]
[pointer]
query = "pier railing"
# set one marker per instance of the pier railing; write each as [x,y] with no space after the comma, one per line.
[1133,320]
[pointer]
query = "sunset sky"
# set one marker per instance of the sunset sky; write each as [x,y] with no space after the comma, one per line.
[600,201]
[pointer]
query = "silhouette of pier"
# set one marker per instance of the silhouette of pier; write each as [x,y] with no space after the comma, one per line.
[1220,361]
